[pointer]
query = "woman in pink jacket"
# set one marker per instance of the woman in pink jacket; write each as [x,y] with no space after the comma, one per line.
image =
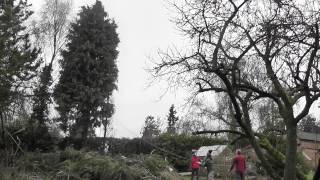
[195,166]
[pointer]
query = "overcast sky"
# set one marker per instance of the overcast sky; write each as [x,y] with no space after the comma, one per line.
[144,27]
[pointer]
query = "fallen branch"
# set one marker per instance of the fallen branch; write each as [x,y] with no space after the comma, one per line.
[219,131]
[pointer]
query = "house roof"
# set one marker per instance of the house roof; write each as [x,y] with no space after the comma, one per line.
[216,150]
[308,136]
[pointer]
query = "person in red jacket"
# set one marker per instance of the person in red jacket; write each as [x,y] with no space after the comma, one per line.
[239,164]
[195,166]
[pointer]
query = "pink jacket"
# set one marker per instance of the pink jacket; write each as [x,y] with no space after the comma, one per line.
[195,162]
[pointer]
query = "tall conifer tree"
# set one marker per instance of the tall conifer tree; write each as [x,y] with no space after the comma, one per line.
[18,59]
[89,72]
[172,119]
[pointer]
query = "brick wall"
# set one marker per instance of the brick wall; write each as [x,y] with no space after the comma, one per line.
[311,150]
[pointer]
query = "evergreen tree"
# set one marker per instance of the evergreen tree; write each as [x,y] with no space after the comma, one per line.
[172,119]
[88,74]
[151,128]
[18,59]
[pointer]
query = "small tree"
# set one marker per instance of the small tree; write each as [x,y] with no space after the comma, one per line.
[151,128]
[172,120]
[89,72]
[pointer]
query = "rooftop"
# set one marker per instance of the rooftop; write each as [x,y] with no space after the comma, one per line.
[216,150]
[308,136]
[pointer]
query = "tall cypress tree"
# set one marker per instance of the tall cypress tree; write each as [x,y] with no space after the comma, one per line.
[18,59]
[172,119]
[89,72]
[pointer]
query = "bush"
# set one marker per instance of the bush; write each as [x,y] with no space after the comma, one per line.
[31,136]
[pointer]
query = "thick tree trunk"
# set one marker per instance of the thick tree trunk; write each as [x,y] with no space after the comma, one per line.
[291,153]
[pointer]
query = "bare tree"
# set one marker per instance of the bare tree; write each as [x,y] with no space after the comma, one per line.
[251,51]
[54,25]
[51,34]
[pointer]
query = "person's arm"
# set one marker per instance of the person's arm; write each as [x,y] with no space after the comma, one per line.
[206,162]
[245,164]
[233,162]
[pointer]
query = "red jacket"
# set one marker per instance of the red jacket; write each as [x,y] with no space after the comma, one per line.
[240,163]
[195,162]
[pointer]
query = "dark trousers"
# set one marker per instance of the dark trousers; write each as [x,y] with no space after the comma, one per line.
[195,173]
[239,175]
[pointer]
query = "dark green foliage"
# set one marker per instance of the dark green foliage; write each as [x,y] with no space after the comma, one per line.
[32,136]
[77,165]
[38,136]
[42,97]
[89,72]
[151,128]
[18,60]
[172,120]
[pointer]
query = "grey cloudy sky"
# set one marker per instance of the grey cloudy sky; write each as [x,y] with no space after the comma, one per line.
[144,27]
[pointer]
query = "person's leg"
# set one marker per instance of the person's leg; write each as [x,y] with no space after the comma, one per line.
[192,174]
[197,174]
[237,176]
[210,175]
[242,176]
